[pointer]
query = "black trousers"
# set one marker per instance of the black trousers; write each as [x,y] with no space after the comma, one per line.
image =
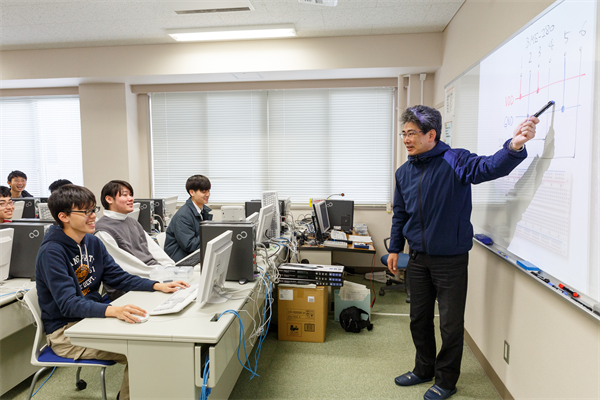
[444,278]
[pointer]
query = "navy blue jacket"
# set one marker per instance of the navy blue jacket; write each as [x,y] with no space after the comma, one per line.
[432,201]
[68,276]
[183,233]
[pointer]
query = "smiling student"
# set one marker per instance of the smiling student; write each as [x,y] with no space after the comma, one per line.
[17,181]
[6,205]
[183,233]
[125,239]
[70,266]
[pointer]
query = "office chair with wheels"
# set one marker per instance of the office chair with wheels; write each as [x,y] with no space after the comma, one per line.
[43,356]
[391,283]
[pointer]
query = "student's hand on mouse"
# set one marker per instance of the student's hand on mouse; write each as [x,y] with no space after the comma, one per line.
[170,287]
[128,313]
[524,132]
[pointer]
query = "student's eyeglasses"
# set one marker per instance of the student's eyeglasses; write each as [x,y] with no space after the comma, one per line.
[9,203]
[88,212]
[410,133]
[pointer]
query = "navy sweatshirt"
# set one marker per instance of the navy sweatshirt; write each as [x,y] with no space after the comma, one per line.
[68,276]
[432,201]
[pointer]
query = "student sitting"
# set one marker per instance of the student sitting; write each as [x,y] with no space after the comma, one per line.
[17,181]
[183,233]
[6,205]
[125,239]
[58,183]
[70,266]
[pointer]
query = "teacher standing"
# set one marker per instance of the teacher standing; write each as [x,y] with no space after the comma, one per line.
[432,211]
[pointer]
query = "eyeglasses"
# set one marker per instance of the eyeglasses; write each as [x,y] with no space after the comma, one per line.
[88,212]
[9,203]
[410,133]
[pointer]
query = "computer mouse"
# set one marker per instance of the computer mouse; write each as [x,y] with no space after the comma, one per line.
[141,318]
[243,281]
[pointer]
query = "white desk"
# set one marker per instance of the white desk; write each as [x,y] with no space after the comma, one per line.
[166,354]
[16,336]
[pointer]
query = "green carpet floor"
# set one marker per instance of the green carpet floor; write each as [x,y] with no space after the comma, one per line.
[346,366]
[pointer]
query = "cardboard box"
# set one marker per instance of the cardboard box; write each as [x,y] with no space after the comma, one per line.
[302,315]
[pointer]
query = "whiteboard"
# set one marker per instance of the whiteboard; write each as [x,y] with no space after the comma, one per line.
[543,211]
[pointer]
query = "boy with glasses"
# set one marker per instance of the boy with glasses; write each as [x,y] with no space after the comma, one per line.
[6,205]
[125,239]
[17,181]
[70,266]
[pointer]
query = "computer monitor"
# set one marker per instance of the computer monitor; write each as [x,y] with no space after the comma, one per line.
[253,218]
[170,206]
[6,241]
[341,213]
[320,208]
[265,216]
[30,206]
[214,269]
[18,211]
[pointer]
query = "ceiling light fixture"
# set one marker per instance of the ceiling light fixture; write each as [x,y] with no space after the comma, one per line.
[232,33]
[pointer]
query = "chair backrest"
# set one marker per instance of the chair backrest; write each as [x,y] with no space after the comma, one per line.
[161,238]
[31,298]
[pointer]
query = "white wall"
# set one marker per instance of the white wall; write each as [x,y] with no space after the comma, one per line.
[555,347]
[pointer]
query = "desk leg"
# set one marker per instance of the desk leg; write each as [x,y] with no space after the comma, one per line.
[161,370]
[322,257]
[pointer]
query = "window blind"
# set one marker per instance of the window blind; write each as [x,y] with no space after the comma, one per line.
[41,136]
[302,142]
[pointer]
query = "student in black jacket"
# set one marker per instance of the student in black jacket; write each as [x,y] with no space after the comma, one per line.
[183,233]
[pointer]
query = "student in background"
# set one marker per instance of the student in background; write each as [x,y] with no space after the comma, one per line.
[432,211]
[58,183]
[183,233]
[70,266]
[6,205]
[17,181]
[125,239]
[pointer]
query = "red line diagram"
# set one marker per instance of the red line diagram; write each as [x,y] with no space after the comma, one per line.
[522,96]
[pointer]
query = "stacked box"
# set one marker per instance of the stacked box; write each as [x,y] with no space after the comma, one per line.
[302,315]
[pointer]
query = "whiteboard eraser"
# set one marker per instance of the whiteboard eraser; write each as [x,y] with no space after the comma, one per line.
[484,239]
[527,265]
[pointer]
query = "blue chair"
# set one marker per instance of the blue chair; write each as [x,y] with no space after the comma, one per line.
[43,356]
[391,283]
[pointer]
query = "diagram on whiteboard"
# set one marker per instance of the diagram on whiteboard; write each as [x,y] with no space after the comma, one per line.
[552,59]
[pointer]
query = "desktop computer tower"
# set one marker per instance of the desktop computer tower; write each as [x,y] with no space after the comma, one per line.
[27,240]
[159,213]
[30,208]
[341,213]
[146,216]
[241,262]
[253,206]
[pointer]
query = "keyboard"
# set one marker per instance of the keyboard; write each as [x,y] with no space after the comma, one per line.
[177,301]
[338,235]
[334,243]
[190,261]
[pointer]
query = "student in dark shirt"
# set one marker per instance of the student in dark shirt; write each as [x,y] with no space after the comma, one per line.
[17,181]
[70,266]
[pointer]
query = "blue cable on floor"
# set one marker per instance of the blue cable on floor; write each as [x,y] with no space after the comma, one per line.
[53,369]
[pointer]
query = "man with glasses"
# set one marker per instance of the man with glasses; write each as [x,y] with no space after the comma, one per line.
[6,205]
[17,181]
[432,211]
[125,239]
[70,266]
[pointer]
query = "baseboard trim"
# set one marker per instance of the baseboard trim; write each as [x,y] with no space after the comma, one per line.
[487,368]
